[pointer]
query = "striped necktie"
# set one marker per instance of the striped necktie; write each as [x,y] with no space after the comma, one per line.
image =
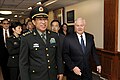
[43,37]
[6,35]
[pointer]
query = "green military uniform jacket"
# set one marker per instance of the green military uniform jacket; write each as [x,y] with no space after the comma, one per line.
[37,60]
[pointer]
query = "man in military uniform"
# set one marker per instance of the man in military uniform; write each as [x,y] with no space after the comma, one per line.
[40,56]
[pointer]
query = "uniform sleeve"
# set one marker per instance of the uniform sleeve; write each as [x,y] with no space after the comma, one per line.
[59,58]
[66,54]
[94,52]
[12,50]
[23,60]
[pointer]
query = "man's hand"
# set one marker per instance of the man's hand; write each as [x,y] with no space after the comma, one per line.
[60,76]
[77,70]
[99,69]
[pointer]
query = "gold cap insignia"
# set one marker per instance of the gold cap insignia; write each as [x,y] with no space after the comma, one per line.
[41,9]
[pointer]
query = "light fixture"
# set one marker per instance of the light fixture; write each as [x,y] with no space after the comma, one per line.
[15,16]
[29,8]
[6,12]
[22,12]
[51,2]
[8,19]
[39,3]
[20,16]
[1,18]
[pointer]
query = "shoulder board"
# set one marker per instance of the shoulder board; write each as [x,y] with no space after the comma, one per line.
[24,34]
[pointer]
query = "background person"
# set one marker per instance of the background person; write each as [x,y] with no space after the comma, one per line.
[5,32]
[13,47]
[29,25]
[64,29]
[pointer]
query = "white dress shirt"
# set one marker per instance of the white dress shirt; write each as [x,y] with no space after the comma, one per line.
[8,34]
[84,38]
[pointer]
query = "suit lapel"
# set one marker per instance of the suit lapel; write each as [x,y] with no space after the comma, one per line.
[78,43]
[87,42]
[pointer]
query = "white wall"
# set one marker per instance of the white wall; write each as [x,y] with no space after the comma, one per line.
[119,28]
[93,12]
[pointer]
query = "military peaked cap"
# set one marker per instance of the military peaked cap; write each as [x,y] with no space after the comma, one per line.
[39,11]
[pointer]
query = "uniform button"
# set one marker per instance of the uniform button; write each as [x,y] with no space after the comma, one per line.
[33,71]
[49,67]
[36,49]
[46,49]
[13,57]
[53,46]
[55,66]
[47,54]
[48,60]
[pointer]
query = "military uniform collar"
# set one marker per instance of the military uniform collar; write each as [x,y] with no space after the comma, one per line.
[41,32]
[35,32]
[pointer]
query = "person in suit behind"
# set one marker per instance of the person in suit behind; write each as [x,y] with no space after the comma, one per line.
[29,25]
[55,27]
[78,48]
[40,56]
[13,46]
[5,32]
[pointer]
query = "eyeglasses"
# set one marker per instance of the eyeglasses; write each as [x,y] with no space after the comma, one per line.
[5,23]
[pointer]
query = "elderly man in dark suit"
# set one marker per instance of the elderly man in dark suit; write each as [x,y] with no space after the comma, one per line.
[40,56]
[77,50]
[5,32]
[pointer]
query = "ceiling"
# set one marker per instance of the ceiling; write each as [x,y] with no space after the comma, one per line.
[20,7]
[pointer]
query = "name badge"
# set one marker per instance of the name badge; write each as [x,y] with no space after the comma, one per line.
[35,45]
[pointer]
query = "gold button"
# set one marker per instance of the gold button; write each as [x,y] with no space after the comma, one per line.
[46,49]
[33,71]
[13,57]
[55,66]
[47,54]
[36,49]
[49,67]
[48,60]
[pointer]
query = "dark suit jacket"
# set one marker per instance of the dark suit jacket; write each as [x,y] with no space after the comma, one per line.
[13,46]
[74,56]
[3,50]
[38,61]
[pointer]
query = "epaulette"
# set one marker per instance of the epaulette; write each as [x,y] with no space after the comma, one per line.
[24,34]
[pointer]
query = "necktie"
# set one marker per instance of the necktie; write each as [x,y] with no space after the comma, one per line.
[82,44]
[6,34]
[43,37]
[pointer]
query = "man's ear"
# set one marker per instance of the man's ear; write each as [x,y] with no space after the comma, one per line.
[33,21]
